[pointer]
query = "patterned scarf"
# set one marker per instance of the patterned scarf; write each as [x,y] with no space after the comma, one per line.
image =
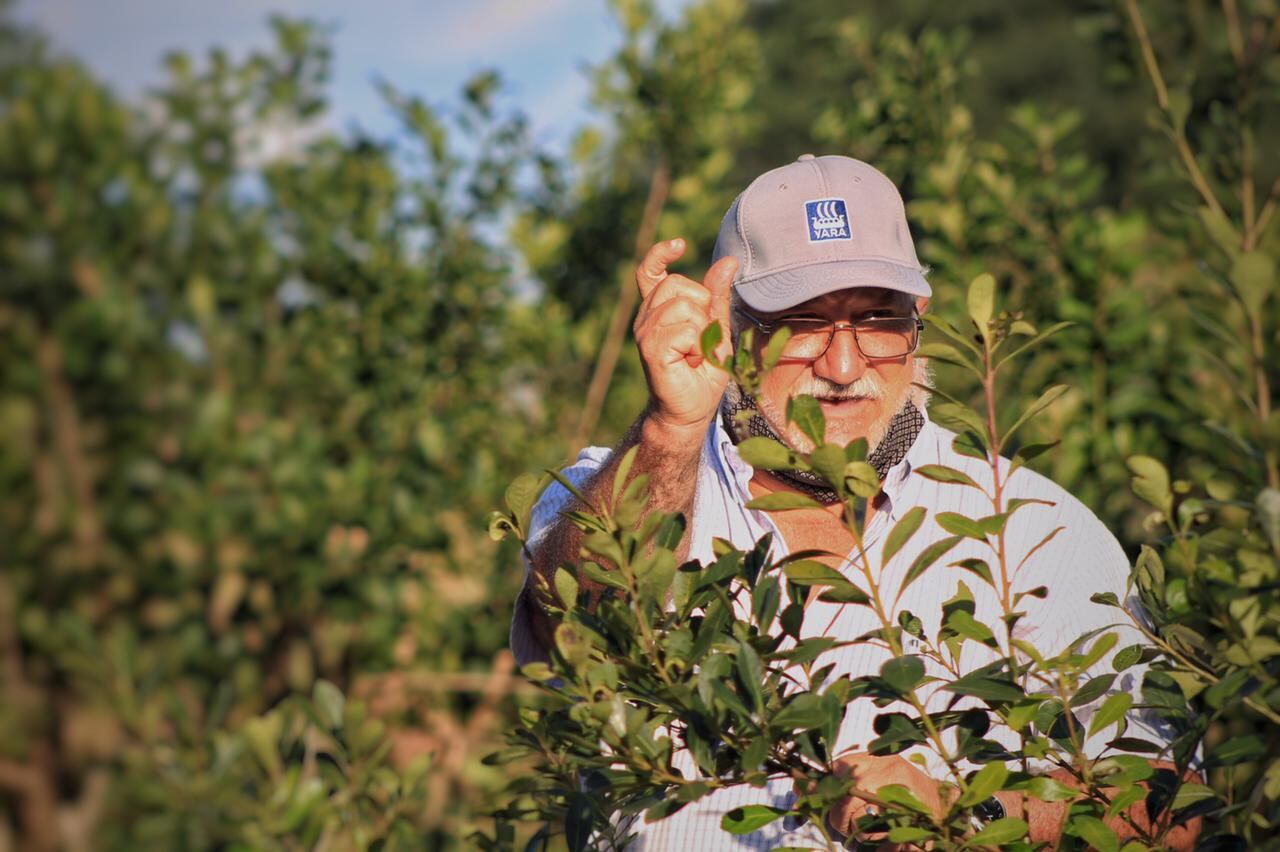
[893,447]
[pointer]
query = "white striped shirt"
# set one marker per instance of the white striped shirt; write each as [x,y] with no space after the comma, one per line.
[1081,560]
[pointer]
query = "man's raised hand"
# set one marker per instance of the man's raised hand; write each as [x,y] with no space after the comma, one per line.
[684,390]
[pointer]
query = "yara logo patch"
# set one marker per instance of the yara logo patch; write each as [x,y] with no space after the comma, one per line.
[828,219]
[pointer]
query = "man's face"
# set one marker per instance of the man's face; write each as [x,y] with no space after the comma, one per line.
[859,396]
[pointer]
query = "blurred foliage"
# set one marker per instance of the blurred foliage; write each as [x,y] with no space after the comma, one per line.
[260,382]
[249,404]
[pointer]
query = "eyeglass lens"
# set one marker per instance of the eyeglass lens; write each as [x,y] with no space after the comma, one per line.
[889,337]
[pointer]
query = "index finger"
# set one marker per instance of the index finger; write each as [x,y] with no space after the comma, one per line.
[653,269]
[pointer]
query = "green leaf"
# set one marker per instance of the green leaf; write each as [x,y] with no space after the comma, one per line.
[897,794]
[766,454]
[1050,789]
[806,412]
[596,574]
[805,712]
[773,351]
[749,818]
[948,354]
[927,557]
[910,834]
[1046,399]
[1254,274]
[958,524]
[971,444]
[572,644]
[783,501]
[623,471]
[958,418]
[1126,657]
[566,588]
[903,673]
[984,784]
[1027,452]
[671,531]
[1005,830]
[986,687]
[1133,745]
[710,340]
[966,625]
[1126,799]
[981,302]
[1111,711]
[896,732]
[330,704]
[1228,690]
[1034,342]
[847,593]
[808,572]
[1094,832]
[861,479]
[500,523]
[1093,689]
[978,567]
[570,487]
[1242,749]
[942,325]
[828,462]
[1190,794]
[942,473]
[1221,230]
[902,532]
[520,496]
[1268,506]
[751,674]
[1151,482]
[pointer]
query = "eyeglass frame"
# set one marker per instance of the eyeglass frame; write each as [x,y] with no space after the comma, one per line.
[770,327]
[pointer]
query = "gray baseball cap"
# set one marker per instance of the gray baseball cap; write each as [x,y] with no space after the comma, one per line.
[818,225]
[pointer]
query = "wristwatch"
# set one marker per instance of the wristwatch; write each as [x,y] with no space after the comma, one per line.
[987,812]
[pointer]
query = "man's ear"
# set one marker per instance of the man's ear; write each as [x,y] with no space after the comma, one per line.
[922,304]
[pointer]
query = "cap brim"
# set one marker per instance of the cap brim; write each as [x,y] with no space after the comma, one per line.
[790,287]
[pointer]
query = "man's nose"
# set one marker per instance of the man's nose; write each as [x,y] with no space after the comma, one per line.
[842,363]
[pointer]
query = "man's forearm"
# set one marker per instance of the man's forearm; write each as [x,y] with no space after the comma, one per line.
[669,456]
[1045,820]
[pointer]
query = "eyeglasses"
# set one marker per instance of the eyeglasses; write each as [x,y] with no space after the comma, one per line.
[876,337]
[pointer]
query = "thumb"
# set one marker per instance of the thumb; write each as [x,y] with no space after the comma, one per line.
[719,282]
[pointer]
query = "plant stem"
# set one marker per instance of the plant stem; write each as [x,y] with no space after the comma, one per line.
[611,348]
[1162,98]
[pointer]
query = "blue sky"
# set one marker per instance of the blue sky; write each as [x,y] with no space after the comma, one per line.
[427,47]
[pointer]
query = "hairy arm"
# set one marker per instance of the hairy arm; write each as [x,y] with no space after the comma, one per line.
[668,454]
[1046,819]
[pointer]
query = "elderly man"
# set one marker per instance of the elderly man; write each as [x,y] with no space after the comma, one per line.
[822,246]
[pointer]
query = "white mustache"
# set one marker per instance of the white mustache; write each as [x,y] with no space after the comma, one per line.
[863,388]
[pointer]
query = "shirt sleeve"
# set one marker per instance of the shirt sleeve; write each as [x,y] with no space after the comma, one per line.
[549,506]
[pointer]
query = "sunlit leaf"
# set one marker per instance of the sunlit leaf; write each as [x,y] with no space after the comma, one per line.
[806,412]
[902,532]
[927,558]
[749,818]
[783,501]
[981,301]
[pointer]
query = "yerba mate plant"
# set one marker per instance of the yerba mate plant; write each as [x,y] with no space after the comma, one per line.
[712,658]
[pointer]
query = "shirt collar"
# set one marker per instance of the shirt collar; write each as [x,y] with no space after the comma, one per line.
[737,472]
